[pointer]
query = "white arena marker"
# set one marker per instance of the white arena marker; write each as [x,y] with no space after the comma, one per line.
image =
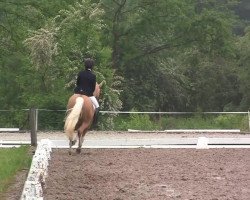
[9,129]
[202,143]
[187,131]
[203,131]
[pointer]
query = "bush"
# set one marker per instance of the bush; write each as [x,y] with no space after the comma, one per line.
[137,122]
[187,122]
[206,122]
[231,122]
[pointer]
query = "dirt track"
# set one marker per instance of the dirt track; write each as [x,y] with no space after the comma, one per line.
[152,174]
[143,173]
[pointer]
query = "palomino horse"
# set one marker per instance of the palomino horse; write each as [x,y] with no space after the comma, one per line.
[79,117]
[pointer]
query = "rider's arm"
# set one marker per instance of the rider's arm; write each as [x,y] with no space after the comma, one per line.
[78,80]
[93,84]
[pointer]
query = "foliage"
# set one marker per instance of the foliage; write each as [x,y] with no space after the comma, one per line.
[206,122]
[160,55]
[43,47]
[243,54]
[136,122]
[183,121]
[213,85]
[14,119]
[165,38]
[58,49]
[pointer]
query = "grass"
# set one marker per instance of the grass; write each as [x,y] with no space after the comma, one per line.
[208,122]
[146,122]
[12,160]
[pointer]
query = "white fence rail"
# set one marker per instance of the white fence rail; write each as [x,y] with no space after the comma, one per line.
[35,114]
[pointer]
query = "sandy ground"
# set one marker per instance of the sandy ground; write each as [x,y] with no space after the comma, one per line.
[139,174]
[150,174]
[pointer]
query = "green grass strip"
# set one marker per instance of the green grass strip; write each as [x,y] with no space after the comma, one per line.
[12,160]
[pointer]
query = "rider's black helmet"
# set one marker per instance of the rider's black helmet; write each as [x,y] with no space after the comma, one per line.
[89,63]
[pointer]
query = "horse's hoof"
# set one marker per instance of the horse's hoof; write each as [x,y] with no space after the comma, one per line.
[70,153]
[78,150]
[73,142]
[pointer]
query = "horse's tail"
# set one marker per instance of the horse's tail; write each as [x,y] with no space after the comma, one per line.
[72,119]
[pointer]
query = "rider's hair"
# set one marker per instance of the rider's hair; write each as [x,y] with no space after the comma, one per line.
[89,63]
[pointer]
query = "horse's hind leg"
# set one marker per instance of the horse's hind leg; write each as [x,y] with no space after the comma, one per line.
[81,139]
[71,143]
[78,150]
[70,146]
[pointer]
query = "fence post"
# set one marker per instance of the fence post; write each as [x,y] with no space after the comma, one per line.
[249,121]
[33,126]
[36,120]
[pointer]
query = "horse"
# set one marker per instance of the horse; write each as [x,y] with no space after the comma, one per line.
[80,114]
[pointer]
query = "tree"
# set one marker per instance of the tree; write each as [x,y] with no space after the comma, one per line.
[57,51]
[152,42]
[15,19]
[243,58]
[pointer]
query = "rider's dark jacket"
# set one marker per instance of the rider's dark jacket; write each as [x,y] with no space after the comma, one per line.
[85,83]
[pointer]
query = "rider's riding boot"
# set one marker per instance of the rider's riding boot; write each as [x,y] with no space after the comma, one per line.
[96,116]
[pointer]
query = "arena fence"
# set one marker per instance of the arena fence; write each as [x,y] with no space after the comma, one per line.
[47,119]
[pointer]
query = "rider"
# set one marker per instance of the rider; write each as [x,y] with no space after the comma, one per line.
[85,84]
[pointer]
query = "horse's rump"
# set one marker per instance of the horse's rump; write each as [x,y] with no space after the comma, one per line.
[81,112]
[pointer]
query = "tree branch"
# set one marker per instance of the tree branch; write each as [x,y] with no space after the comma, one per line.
[158,49]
